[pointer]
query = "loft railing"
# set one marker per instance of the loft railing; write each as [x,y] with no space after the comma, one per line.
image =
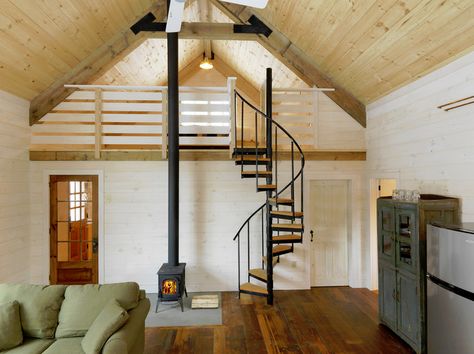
[245,113]
[104,118]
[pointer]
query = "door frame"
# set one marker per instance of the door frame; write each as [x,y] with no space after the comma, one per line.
[46,219]
[348,225]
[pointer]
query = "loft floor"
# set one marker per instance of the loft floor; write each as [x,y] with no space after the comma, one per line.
[320,320]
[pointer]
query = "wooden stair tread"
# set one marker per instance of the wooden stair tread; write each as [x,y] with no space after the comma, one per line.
[267,186]
[259,273]
[280,200]
[288,226]
[288,237]
[253,288]
[262,173]
[281,248]
[297,214]
[252,158]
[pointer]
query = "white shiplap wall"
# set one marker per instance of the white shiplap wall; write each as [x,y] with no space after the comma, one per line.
[14,189]
[423,147]
[214,203]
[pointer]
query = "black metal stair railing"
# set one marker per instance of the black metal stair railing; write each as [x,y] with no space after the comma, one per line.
[240,152]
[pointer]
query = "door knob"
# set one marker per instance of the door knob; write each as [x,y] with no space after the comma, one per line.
[312,235]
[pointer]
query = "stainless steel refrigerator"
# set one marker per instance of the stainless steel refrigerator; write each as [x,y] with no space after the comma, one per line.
[450,289]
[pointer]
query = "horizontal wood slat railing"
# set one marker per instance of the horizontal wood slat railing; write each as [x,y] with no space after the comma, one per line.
[109,118]
[100,118]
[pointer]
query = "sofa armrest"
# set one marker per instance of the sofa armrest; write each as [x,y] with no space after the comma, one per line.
[124,340]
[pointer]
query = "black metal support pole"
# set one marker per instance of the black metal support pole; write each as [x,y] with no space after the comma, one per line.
[173,150]
[268,101]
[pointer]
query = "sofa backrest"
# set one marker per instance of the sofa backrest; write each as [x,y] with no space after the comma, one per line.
[82,304]
[39,306]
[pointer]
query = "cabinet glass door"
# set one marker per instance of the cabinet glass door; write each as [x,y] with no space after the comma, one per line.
[406,229]
[386,225]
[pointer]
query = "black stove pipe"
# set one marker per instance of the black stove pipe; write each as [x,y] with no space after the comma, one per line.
[173,150]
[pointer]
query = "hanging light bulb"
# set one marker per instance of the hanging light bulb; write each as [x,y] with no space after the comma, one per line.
[206,64]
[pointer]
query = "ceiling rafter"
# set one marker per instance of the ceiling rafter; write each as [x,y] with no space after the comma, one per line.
[93,66]
[241,83]
[297,61]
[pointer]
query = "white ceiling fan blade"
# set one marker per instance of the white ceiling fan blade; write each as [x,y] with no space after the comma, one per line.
[259,4]
[175,16]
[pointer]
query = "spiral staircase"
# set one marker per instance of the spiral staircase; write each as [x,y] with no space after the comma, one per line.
[279,220]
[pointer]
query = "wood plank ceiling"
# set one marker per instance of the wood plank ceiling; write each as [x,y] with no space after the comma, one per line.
[40,41]
[369,47]
[372,47]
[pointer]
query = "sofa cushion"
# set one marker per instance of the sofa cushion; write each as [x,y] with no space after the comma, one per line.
[31,346]
[109,321]
[65,346]
[39,306]
[10,325]
[83,303]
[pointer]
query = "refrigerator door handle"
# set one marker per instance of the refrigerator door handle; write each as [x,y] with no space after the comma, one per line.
[450,287]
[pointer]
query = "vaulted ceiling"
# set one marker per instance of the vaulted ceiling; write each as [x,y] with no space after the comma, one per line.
[368,47]
[147,65]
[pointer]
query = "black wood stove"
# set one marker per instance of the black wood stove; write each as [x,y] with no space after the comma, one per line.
[171,284]
[171,275]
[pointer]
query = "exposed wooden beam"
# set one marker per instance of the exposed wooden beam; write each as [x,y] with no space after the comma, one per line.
[189,70]
[92,67]
[242,84]
[297,61]
[185,155]
[198,30]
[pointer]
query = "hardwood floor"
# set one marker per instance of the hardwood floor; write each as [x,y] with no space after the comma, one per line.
[320,320]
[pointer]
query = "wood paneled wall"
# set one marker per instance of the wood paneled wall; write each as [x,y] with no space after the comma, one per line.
[214,203]
[14,189]
[423,147]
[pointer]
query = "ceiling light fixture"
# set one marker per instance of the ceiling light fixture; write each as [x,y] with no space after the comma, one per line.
[206,64]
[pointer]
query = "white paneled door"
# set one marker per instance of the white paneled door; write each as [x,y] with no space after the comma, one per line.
[329,223]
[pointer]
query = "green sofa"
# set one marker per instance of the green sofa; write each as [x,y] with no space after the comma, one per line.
[55,318]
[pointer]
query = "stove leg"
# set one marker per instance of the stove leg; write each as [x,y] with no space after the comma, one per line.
[185,292]
[180,300]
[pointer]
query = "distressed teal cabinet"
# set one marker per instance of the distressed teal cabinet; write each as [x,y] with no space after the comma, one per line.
[401,229]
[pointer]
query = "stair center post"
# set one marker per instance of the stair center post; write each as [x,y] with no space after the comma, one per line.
[269,153]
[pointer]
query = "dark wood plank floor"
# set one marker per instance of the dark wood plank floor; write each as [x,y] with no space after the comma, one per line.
[321,320]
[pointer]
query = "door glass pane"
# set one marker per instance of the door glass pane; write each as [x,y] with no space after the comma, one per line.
[405,253]
[387,244]
[75,251]
[63,251]
[387,220]
[86,191]
[88,232]
[88,211]
[405,225]
[63,191]
[63,231]
[86,251]
[63,210]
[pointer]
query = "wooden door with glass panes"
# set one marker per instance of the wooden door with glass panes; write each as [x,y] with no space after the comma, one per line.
[73,229]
